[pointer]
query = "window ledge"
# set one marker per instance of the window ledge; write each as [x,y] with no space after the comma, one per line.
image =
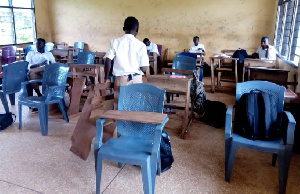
[292,64]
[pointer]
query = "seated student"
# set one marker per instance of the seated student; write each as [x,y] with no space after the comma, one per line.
[37,61]
[266,51]
[197,48]
[151,47]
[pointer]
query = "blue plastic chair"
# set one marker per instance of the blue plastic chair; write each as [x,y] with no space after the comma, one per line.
[138,143]
[281,147]
[53,85]
[13,75]
[28,49]
[85,57]
[78,47]
[185,54]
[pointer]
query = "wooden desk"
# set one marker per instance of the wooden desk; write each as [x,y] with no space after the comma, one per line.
[213,60]
[99,57]
[278,76]
[178,86]
[153,61]
[63,55]
[135,116]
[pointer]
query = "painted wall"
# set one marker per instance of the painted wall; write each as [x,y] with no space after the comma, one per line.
[43,20]
[220,24]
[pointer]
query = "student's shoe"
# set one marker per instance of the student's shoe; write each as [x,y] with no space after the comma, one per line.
[34,110]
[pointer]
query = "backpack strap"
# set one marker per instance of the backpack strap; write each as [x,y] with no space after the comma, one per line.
[268,116]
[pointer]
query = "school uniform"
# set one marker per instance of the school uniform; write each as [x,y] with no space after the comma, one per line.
[129,55]
[153,48]
[195,49]
[35,57]
[271,55]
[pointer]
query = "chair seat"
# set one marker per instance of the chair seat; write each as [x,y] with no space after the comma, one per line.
[265,146]
[129,148]
[39,99]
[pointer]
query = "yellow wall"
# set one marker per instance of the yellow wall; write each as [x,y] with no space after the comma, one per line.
[43,20]
[221,24]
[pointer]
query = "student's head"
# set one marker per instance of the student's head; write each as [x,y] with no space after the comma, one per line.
[146,41]
[196,40]
[40,45]
[265,42]
[131,26]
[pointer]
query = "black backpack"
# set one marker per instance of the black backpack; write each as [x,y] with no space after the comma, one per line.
[6,120]
[215,113]
[166,156]
[256,116]
[200,98]
[241,54]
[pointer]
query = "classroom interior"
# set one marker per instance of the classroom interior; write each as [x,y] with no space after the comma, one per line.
[32,163]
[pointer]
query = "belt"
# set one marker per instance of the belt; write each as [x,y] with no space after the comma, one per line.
[132,75]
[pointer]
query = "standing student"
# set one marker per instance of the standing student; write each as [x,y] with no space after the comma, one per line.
[37,61]
[265,51]
[197,48]
[130,57]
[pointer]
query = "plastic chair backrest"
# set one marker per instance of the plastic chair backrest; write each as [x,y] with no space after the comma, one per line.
[13,75]
[30,48]
[79,45]
[185,54]
[8,51]
[49,46]
[55,75]
[276,91]
[184,63]
[86,57]
[139,97]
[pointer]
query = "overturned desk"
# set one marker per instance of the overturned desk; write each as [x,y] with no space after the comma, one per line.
[177,85]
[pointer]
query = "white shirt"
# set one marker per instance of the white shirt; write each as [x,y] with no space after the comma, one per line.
[129,55]
[35,57]
[194,49]
[262,53]
[152,48]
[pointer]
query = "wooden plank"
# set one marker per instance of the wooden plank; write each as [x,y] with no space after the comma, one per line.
[76,91]
[169,84]
[185,72]
[135,116]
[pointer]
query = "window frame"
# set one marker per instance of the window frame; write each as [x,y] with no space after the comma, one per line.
[10,6]
[290,55]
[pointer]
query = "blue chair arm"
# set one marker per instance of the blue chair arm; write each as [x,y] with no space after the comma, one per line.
[99,133]
[56,91]
[290,128]
[157,136]
[228,122]
[23,91]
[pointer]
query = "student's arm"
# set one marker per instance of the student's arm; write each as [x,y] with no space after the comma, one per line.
[107,67]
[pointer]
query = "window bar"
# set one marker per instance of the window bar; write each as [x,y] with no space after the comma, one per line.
[292,28]
[283,26]
[276,25]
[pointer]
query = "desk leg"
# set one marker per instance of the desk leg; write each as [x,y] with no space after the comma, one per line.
[76,91]
[212,75]
[186,121]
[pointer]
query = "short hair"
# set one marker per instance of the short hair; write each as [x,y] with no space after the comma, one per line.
[131,23]
[146,40]
[266,38]
[41,40]
[196,37]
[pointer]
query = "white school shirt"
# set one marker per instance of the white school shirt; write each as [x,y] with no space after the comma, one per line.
[152,48]
[262,53]
[194,49]
[129,55]
[35,57]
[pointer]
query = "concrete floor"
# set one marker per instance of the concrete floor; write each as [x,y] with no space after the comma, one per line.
[31,163]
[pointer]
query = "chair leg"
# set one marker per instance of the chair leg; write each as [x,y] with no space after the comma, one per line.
[231,158]
[153,172]
[284,159]
[43,114]
[120,164]
[4,102]
[20,116]
[228,143]
[146,176]
[98,174]
[63,109]
[274,158]
[12,98]
[168,97]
